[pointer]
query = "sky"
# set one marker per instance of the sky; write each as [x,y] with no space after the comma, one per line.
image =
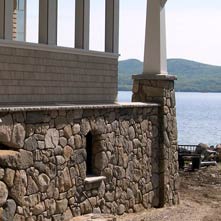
[193,28]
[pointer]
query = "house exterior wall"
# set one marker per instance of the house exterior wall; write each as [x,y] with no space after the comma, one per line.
[39,74]
[43,171]
[44,154]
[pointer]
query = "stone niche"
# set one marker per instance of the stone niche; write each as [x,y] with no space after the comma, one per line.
[60,162]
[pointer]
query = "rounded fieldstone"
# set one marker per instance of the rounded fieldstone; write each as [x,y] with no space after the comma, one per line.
[38,209]
[76,129]
[68,214]
[71,142]
[124,128]
[101,161]
[6,129]
[9,177]
[137,143]
[63,141]
[144,125]
[50,206]
[25,159]
[3,193]
[68,152]
[131,133]
[78,141]
[60,160]
[51,138]
[68,131]
[60,122]
[9,210]
[18,135]
[100,126]
[32,187]
[2,173]
[18,190]
[31,144]
[85,126]
[58,150]
[61,206]
[121,209]
[44,181]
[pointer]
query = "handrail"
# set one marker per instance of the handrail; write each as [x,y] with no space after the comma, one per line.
[190,148]
[55,48]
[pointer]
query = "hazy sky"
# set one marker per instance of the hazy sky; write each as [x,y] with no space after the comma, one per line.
[193,27]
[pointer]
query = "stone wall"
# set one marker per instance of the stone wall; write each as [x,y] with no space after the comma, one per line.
[160,89]
[33,73]
[43,161]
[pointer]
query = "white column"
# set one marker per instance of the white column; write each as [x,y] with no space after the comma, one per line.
[155,61]
[163,51]
[112,26]
[25,19]
[82,24]
[6,19]
[48,22]
[2,19]
[9,7]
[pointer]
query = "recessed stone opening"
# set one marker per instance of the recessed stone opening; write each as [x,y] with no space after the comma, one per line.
[95,155]
[89,150]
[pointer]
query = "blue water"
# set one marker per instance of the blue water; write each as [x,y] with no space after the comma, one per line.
[198,116]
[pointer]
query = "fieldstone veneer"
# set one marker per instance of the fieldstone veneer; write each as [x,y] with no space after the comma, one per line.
[43,160]
[160,89]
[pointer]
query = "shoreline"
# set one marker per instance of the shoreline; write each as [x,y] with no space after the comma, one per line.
[199,92]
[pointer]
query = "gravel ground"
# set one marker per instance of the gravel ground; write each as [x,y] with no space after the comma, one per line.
[200,199]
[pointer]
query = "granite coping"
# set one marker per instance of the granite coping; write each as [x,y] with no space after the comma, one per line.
[50,107]
[163,77]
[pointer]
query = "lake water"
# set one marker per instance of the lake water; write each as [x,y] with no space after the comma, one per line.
[198,116]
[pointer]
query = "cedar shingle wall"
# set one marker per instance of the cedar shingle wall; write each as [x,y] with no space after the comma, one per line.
[36,76]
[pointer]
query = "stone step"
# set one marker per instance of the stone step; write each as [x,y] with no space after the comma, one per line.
[95,217]
[9,158]
[21,159]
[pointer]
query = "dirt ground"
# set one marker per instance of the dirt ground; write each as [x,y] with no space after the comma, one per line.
[200,199]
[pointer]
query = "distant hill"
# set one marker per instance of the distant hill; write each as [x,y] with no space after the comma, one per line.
[192,76]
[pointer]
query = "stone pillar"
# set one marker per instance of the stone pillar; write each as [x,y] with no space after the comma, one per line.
[82,24]
[155,38]
[48,22]
[6,19]
[161,90]
[155,85]
[112,26]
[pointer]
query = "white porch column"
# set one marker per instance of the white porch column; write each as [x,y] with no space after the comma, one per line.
[112,26]
[82,24]
[2,19]
[155,60]
[9,8]
[48,22]
[6,19]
